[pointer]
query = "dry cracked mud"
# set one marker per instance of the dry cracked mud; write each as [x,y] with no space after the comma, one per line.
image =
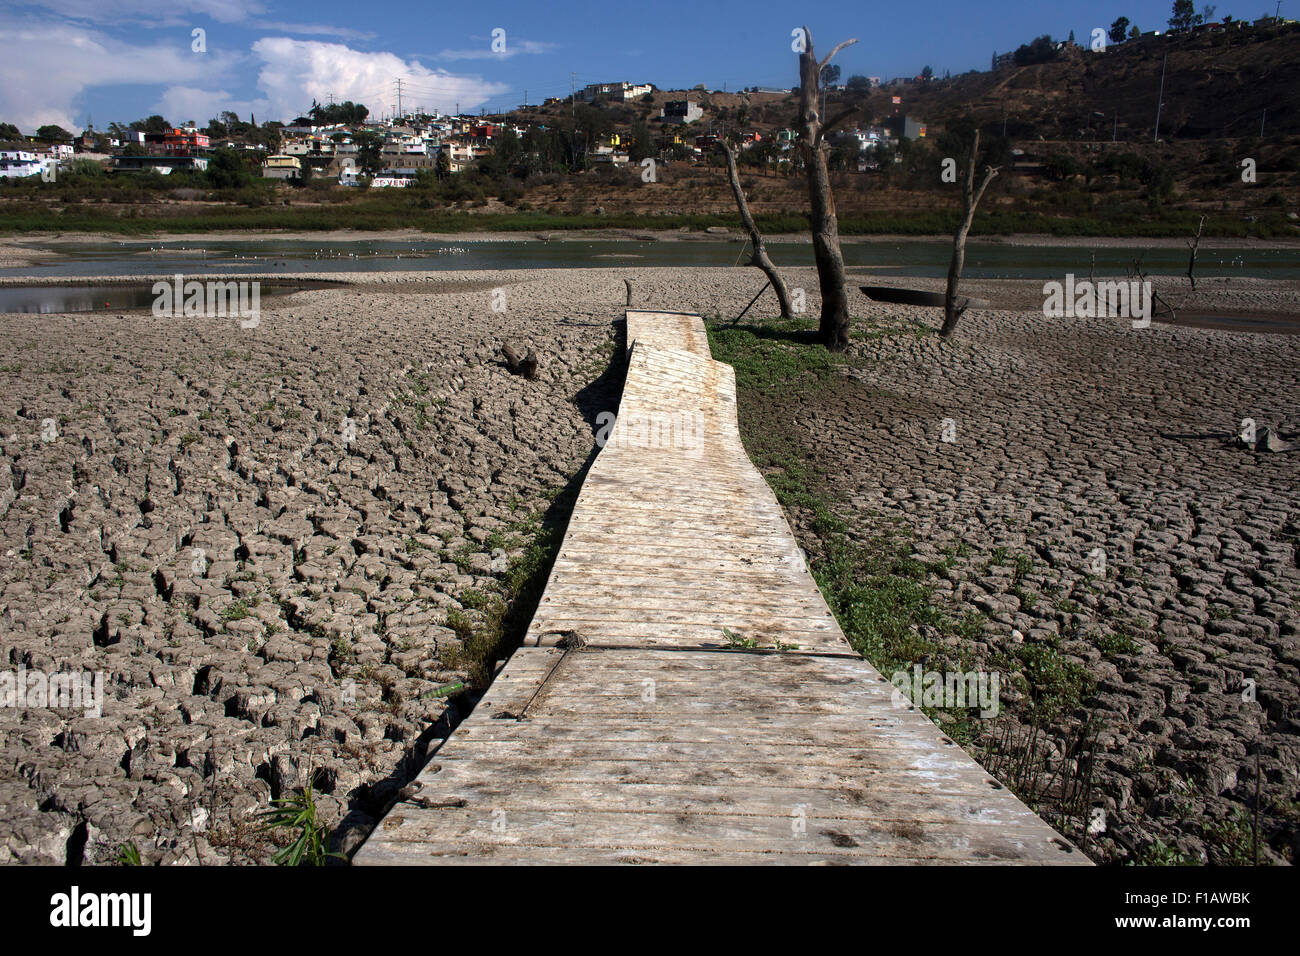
[204,531]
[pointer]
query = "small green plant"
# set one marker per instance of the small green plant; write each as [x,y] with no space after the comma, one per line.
[1230,841]
[236,611]
[1055,684]
[1119,641]
[736,642]
[475,600]
[297,815]
[128,855]
[1161,854]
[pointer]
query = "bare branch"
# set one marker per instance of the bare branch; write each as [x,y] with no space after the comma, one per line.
[990,173]
[759,259]
[953,307]
[840,46]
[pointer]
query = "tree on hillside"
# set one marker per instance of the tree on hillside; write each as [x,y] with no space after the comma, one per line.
[1040,50]
[9,131]
[1184,15]
[152,124]
[352,114]
[591,123]
[227,169]
[643,144]
[858,84]
[830,76]
[834,326]
[1134,33]
[53,134]
[369,151]
[1119,30]
[927,74]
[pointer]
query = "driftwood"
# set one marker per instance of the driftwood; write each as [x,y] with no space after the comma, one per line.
[628,283]
[833,330]
[759,257]
[1159,304]
[1194,245]
[952,309]
[526,366]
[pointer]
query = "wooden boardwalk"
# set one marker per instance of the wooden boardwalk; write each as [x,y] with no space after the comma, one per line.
[632,728]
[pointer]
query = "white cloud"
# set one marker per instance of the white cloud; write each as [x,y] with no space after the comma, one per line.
[158,12]
[312,29]
[295,72]
[513,47]
[182,103]
[47,67]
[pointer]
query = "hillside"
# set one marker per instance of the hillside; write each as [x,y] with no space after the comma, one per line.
[1217,86]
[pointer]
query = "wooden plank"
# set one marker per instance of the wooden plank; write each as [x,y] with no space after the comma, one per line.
[650,739]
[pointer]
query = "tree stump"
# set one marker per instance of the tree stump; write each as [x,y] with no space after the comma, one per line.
[526,366]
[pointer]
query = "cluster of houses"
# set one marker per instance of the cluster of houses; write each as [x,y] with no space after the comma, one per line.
[407,145]
[176,148]
[20,160]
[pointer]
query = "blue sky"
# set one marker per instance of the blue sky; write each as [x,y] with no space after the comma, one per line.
[69,61]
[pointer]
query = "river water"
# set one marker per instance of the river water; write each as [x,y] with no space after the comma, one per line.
[302,258]
[913,257]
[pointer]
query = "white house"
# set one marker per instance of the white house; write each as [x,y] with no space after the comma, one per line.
[19,163]
[619,91]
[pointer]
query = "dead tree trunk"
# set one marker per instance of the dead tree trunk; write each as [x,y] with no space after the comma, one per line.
[952,312]
[834,327]
[526,366]
[759,257]
[1194,245]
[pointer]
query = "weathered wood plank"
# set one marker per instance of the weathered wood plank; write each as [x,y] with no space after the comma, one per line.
[653,740]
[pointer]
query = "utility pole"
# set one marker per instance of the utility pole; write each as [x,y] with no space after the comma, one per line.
[399,98]
[1160,101]
[573,97]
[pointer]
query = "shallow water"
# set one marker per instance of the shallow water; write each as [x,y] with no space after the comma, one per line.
[984,260]
[91,298]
